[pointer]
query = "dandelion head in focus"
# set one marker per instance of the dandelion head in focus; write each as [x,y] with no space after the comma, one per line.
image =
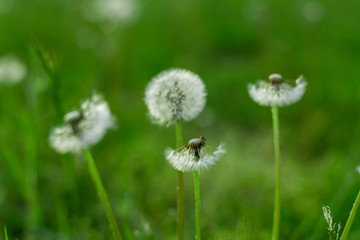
[83,127]
[12,70]
[193,157]
[173,95]
[276,91]
[333,228]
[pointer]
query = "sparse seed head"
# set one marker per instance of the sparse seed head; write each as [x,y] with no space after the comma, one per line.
[84,127]
[173,95]
[276,92]
[188,161]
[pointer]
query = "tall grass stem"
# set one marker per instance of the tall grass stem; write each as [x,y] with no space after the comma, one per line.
[350,220]
[276,220]
[180,202]
[197,206]
[102,193]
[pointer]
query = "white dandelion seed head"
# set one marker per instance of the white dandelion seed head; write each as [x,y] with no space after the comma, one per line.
[83,127]
[186,161]
[63,140]
[97,119]
[175,94]
[276,92]
[12,70]
[358,169]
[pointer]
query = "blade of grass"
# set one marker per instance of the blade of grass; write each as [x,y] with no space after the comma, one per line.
[5,232]
[350,220]
[102,193]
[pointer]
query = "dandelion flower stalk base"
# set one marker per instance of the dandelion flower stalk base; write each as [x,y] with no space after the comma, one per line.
[180,202]
[350,220]
[197,206]
[276,220]
[102,193]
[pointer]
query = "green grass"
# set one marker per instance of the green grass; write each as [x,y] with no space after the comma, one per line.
[44,195]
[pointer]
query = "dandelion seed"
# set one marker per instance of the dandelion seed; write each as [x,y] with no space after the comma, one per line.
[277,92]
[83,127]
[12,70]
[174,95]
[192,157]
[333,229]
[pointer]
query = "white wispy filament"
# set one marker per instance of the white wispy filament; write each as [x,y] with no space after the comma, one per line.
[83,127]
[186,161]
[279,94]
[175,94]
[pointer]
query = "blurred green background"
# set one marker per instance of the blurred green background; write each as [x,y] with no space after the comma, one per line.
[116,47]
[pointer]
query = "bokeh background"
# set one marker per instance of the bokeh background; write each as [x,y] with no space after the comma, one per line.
[115,47]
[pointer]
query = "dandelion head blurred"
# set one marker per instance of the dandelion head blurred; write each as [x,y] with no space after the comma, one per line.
[112,13]
[83,127]
[173,95]
[277,92]
[12,70]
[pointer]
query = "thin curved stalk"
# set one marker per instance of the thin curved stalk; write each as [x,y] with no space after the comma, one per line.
[102,193]
[351,217]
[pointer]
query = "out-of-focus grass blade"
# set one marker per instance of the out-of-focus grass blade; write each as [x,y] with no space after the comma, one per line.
[5,232]
[50,69]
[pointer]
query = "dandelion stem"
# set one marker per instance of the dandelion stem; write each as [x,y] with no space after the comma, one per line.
[180,202]
[197,206]
[350,220]
[102,193]
[276,220]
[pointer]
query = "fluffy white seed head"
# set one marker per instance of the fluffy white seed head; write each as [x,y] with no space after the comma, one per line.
[186,161]
[175,94]
[83,127]
[276,92]
[12,70]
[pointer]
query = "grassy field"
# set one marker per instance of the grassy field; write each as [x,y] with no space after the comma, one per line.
[44,195]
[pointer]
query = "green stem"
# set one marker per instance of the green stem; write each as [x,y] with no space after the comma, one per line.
[5,232]
[350,220]
[102,193]
[197,206]
[276,220]
[180,202]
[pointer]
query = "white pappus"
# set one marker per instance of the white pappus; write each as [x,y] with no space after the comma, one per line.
[192,157]
[173,95]
[277,92]
[83,127]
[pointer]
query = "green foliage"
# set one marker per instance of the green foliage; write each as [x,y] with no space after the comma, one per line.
[228,44]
